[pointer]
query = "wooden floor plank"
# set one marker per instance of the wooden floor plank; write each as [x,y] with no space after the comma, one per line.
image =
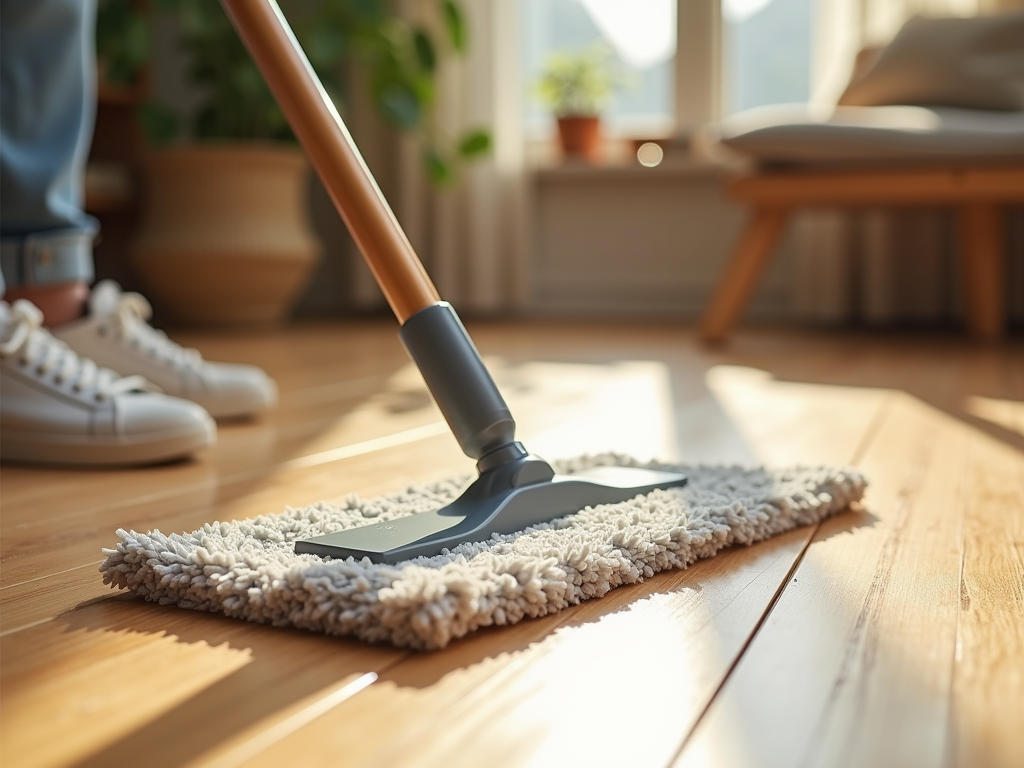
[120,677]
[988,683]
[855,663]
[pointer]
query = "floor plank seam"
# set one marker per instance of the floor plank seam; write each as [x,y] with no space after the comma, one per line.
[6,632]
[883,411]
[860,636]
[51,575]
[247,750]
[790,574]
[874,427]
[952,741]
[38,622]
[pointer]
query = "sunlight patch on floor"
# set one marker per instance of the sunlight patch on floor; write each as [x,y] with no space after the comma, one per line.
[571,409]
[1008,414]
[759,406]
[185,670]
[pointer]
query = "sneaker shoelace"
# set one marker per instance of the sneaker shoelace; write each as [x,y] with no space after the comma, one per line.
[36,346]
[130,319]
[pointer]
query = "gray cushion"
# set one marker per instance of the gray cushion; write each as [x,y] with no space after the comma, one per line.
[972,63]
[800,134]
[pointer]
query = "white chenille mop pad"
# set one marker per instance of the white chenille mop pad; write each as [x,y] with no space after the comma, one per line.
[247,569]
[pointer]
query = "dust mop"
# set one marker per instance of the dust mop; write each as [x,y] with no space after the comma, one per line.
[515,489]
[441,560]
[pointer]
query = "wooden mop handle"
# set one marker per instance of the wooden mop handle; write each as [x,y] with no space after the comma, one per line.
[319,127]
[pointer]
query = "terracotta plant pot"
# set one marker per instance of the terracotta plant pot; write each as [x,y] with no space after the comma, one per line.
[580,137]
[225,238]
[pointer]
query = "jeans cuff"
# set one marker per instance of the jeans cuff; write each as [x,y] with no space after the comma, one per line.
[48,258]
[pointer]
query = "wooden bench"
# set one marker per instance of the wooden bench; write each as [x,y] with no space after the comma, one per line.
[978,193]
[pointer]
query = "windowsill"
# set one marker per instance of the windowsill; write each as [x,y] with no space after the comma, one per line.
[544,152]
[670,167]
[618,158]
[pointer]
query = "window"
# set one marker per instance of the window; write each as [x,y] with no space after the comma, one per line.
[766,52]
[756,52]
[641,36]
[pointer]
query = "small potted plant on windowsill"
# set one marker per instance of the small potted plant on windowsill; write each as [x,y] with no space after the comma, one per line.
[576,86]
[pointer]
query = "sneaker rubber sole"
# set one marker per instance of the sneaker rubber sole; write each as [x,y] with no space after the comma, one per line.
[107,450]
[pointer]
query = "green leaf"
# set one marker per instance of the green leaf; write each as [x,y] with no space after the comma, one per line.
[247,81]
[424,89]
[122,41]
[438,169]
[398,102]
[579,82]
[474,144]
[194,19]
[425,53]
[455,22]
[159,123]
[367,11]
[325,46]
[137,41]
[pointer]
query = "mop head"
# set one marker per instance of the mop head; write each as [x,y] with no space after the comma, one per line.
[247,569]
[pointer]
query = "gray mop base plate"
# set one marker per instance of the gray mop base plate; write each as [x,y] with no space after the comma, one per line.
[475,518]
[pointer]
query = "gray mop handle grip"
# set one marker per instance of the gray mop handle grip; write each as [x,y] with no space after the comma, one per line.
[458,379]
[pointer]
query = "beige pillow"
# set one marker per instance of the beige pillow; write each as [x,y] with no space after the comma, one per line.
[973,63]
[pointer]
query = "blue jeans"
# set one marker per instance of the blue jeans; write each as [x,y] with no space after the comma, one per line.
[47,108]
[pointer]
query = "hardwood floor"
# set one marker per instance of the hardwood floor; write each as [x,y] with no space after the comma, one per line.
[890,635]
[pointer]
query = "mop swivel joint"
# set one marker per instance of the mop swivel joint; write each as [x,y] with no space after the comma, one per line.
[471,403]
[507,472]
[459,381]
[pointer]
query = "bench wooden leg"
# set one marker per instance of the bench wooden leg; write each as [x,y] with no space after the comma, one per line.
[981,251]
[749,258]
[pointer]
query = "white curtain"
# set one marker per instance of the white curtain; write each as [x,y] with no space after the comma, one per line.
[884,266]
[471,235]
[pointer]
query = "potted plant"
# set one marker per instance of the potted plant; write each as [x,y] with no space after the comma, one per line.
[576,86]
[225,236]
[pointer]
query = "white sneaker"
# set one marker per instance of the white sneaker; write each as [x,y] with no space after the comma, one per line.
[57,407]
[116,335]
